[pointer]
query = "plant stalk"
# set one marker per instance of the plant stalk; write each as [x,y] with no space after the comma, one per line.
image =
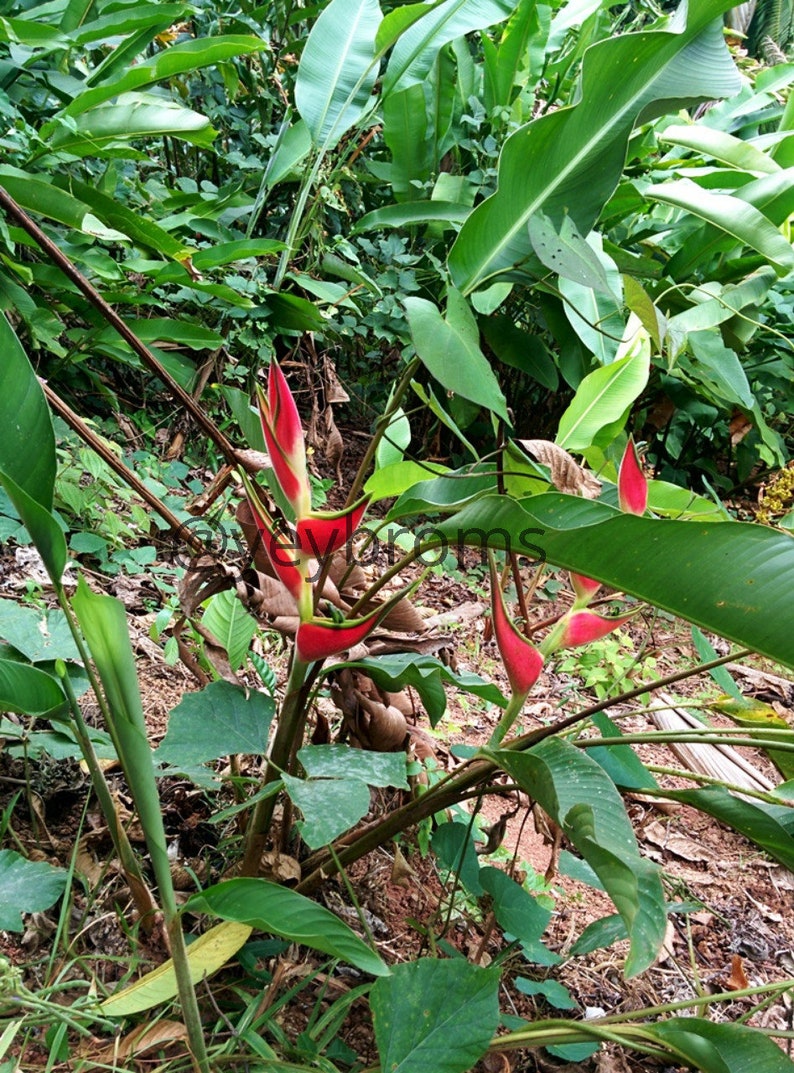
[290,724]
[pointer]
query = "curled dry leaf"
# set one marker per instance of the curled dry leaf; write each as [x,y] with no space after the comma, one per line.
[334,392]
[144,1038]
[280,867]
[566,473]
[334,445]
[206,577]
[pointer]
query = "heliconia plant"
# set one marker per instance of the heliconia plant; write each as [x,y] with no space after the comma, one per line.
[296,554]
[632,499]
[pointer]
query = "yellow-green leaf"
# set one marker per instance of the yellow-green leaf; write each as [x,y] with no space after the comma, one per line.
[205,956]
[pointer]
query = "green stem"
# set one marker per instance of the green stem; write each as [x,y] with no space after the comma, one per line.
[514,708]
[290,724]
[141,894]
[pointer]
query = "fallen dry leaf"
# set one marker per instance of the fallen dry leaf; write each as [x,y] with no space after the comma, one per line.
[737,981]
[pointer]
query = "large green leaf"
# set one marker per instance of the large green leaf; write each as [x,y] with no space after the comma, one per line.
[139,227]
[339,761]
[290,915]
[604,396]
[413,214]
[731,578]
[179,59]
[417,48]
[27,446]
[449,348]
[435,1015]
[219,720]
[731,215]
[38,195]
[231,625]
[26,887]
[27,690]
[39,636]
[329,806]
[720,1048]
[338,69]
[580,796]
[130,116]
[720,146]
[570,160]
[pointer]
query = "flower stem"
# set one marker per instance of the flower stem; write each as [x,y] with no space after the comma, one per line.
[290,725]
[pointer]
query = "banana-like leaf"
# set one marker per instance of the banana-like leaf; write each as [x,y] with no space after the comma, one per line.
[132,115]
[731,578]
[719,145]
[580,796]
[731,215]
[338,69]
[103,621]
[571,160]
[417,48]
[179,59]
[773,195]
[413,214]
[27,446]
[40,196]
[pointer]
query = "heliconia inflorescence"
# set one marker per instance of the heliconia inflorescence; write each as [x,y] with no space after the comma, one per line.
[633,499]
[294,554]
[522,661]
[632,482]
[582,627]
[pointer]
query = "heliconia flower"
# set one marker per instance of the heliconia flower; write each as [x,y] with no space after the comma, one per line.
[632,483]
[319,638]
[522,661]
[289,564]
[283,432]
[581,627]
[322,533]
[584,587]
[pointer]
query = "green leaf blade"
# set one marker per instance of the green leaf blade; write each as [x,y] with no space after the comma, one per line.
[286,913]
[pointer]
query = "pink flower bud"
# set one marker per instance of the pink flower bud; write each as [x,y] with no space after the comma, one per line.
[581,627]
[584,587]
[521,659]
[322,533]
[632,484]
[283,433]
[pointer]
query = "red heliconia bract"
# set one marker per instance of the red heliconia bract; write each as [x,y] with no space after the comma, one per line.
[289,565]
[522,661]
[321,534]
[283,433]
[584,587]
[581,627]
[319,638]
[632,483]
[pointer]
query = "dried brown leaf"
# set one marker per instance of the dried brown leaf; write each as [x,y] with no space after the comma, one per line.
[566,473]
